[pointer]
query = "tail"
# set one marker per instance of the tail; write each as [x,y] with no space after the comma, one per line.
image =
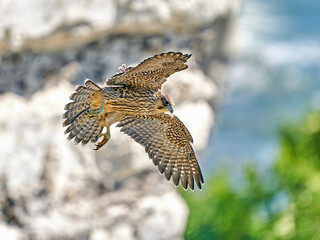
[81,126]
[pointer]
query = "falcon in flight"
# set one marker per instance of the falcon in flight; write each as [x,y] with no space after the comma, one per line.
[133,99]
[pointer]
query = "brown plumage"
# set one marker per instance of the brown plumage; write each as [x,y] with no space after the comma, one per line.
[134,99]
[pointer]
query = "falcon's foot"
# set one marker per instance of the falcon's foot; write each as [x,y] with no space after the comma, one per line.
[96,112]
[106,136]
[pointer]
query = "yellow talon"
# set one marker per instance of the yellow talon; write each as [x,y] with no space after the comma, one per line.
[106,136]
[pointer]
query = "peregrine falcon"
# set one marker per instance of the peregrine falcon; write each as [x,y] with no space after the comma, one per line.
[133,99]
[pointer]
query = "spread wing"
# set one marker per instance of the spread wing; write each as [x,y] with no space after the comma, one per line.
[167,142]
[152,72]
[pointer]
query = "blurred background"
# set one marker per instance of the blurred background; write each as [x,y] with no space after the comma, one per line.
[250,98]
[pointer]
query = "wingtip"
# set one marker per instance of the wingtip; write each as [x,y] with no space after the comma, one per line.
[178,55]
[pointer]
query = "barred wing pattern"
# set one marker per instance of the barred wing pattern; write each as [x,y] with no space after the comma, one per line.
[81,126]
[152,72]
[167,142]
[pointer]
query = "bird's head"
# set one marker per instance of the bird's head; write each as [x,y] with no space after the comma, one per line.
[164,103]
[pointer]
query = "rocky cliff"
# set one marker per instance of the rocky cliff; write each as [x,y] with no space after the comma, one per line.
[51,189]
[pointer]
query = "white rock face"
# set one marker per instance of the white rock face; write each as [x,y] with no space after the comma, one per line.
[11,233]
[52,189]
[24,21]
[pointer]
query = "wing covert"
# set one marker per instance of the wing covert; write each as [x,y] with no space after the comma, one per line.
[152,72]
[167,142]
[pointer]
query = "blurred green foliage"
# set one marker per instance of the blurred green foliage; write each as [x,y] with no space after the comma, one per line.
[284,205]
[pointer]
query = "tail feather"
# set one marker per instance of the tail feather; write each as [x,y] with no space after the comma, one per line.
[88,133]
[74,108]
[97,129]
[83,90]
[91,85]
[79,97]
[71,118]
[81,126]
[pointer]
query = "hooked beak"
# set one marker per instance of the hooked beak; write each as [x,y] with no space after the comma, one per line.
[170,108]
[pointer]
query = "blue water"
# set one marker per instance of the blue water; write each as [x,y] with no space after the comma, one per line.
[274,80]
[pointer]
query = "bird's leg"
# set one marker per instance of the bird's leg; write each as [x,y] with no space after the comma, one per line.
[96,112]
[106,136]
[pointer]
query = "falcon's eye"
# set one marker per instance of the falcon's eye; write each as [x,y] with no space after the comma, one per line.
[165,102]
